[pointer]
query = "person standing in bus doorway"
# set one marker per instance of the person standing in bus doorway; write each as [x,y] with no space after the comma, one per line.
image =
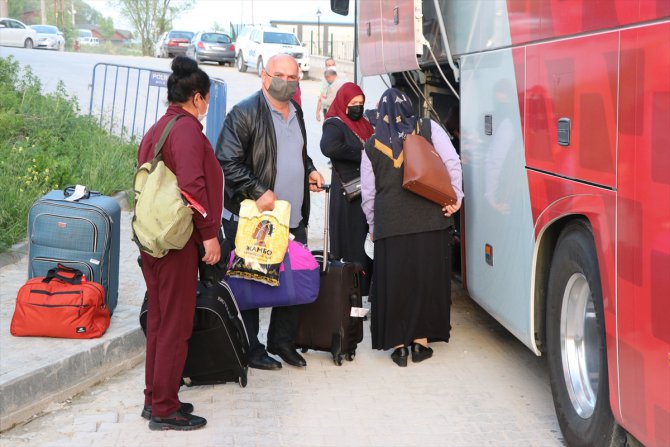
[345,131]
[262,149]
[329,87]
[411,282]
[172,280]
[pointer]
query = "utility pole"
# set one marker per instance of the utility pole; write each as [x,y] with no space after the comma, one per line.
[4,8]
[318,30]
[43,11]
[74,13]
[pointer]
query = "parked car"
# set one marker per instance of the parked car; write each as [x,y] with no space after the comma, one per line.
[49,37]
[159,51]
[257,44]
[16,34]
[176,42]
[212,46]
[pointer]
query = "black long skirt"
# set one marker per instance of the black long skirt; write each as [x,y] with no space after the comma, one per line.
[411,289]
[348,229]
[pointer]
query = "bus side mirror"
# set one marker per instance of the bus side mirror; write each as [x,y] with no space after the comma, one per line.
[340,7]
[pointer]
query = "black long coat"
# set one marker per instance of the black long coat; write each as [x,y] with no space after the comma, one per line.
[348,226]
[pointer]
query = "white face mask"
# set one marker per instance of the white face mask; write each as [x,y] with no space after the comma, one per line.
[201,116]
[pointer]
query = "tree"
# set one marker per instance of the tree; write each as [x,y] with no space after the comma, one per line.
[151,18]
[86,14]
[106,28]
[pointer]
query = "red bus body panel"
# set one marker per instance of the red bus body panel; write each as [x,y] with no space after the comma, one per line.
[615,88]
[643,243]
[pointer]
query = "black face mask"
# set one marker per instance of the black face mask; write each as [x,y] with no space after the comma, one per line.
[355,112]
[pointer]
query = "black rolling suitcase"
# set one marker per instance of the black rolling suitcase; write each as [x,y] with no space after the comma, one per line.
[327,324]
[219,347]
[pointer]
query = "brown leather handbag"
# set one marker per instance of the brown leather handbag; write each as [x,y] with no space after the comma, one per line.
[425,172]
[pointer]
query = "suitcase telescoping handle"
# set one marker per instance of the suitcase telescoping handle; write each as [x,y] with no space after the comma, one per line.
[326,227]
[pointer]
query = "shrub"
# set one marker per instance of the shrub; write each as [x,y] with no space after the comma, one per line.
[46,144]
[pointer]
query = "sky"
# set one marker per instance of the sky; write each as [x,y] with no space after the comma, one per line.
[206,12]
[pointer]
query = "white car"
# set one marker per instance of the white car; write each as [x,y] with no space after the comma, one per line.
[257,44]
[16,34]
[49,37]
[158,46]
[86,37]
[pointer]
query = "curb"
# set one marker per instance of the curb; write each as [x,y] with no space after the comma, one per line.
[14,254]
[25,397]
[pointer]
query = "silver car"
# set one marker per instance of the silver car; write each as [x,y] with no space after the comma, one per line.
[212,46]
[49,37]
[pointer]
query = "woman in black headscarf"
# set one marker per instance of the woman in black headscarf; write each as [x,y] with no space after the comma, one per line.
[345,131]
[411,280]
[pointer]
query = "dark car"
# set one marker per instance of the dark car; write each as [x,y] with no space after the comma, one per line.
[176,43]
[211,46]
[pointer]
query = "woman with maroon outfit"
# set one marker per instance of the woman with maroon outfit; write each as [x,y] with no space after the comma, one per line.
[172,279]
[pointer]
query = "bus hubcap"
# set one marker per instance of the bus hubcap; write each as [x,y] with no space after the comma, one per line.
[580,345]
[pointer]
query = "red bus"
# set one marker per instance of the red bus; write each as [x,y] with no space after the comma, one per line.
[565,143]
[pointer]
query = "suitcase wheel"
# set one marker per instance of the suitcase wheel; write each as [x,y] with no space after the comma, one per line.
[304,350]
[242,381]
[338,359]
[351,356]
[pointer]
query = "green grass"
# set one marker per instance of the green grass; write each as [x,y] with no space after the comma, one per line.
[109,48]
[46,144]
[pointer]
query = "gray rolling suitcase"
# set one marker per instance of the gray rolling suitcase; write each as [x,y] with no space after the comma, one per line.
[83,233]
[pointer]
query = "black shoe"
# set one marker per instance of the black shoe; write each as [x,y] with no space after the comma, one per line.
[185,408]
[177,421]
[400,356]
[289,355]
[420,352]
[264,361]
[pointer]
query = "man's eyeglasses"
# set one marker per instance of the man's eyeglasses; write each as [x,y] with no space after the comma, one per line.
[283,76]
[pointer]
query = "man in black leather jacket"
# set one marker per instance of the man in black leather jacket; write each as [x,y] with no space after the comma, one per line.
[262,149]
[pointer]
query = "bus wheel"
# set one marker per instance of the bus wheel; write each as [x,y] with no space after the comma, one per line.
[576,346]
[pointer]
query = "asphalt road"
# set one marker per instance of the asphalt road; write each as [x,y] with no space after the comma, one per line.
[76,71]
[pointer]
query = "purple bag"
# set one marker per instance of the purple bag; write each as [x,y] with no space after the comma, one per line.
[299,279]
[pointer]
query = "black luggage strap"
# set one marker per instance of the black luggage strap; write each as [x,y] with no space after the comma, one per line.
[69,190]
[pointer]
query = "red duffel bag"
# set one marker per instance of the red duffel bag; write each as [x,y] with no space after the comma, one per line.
[62,304]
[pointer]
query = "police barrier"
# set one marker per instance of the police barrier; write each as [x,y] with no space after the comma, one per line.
[128,100]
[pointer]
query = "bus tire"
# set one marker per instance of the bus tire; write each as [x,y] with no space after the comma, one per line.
[575,321]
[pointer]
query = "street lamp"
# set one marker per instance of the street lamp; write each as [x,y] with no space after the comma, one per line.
[318,30]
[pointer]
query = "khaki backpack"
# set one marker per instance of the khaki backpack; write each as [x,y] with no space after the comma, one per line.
[163,220]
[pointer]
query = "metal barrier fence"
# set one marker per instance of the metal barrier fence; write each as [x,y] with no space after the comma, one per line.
[337,49]
[128,100]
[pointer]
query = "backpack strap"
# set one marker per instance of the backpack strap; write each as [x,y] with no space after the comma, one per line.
[425,129]
[158,149]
